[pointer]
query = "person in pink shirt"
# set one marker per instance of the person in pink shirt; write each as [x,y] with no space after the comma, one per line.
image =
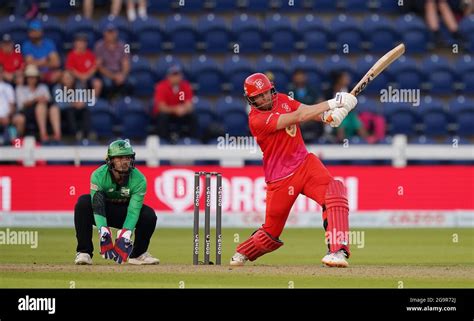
[274,120]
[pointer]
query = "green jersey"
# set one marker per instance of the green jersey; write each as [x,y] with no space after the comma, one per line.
[132,192]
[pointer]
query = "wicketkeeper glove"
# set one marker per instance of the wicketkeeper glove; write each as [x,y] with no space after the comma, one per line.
[123,245]
[106,245]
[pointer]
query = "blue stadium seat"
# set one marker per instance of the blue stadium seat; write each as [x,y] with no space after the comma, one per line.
[149,35]
[347,32]
[16,27]
[215,34]
[365,104]
[401,117]
[229,103]
[248,33]
[406,73]
[293,6]
[465,70]
[235,122]
[188,141]
[124,32]
[414,33]
[52,29]
[313,72]
[338,63]
[58,7]
[187,6]
[380,33]
[256,6]
[127,104]
[354,5]
[325,5]
[281,33]
[440,74]
[164,62]
[460,104]
[223,5]
[102,121]
[142,77]
[237,69]
[182,33]
[205,114]
[389,6]
[314,33]
[466,27]
[78,24]
[207,75]
[135,123]
[382,81]
[465,123]
[278,67]
[435,123]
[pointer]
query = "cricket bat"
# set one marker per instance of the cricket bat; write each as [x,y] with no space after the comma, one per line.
[379,66]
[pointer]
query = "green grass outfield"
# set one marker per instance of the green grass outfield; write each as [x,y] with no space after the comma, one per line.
[390,258]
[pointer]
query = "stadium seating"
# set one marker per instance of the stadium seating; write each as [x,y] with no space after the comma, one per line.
[413,32]
[236,70]
[149,35]
[142,77]
[441,76]
[215,34]
[314,33]
[207,75]
[347,34]
[380,33]
[248,33]
[182,34]
[79,24]
[278,67]
[281,34]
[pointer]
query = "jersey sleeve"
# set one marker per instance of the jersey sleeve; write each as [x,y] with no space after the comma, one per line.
[293,103]
[136,202]
[264,124]
[100,219]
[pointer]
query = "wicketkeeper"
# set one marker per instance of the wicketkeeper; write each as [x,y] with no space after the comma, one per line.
[290,170]
[116,200]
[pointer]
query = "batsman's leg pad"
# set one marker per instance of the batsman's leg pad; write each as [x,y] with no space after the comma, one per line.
[258,244]
[337,210]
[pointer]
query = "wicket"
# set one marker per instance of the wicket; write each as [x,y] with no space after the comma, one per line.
[207,217]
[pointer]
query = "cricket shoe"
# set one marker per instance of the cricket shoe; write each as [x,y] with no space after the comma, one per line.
[83,259]
[144,259]
[238,259]
[337,259]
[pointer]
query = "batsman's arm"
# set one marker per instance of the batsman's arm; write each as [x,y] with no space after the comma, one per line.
[302,114]
[98,202]
[135,206]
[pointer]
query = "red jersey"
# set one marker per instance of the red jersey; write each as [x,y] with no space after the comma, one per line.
[172,96]
[80,62]
[11,61]
[283,150]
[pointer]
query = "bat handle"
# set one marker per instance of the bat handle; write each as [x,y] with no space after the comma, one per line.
[329,119]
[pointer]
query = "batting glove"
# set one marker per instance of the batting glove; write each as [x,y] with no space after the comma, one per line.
[337,116]
[123,245]
[106,245]
[343,100]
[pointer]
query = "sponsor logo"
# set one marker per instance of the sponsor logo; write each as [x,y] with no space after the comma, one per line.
[286,107]
[94,187]
[291,130]
[259,83]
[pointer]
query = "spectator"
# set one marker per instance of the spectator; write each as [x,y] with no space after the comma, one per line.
[132,12]
[34,102]
[375,126]
[304,93]
[7,108]
[82,64]
[113,62]
[77,113]
[9,58]
[88,8]
[42,53]
[174,107]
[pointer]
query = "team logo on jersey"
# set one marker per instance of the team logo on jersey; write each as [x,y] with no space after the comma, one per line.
[286,107]
[125,192]
[259,83]
[291,130]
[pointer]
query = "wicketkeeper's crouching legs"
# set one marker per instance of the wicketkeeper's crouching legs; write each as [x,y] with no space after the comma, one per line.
[115,214]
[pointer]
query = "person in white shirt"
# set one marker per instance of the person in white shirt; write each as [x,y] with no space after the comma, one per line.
[35,103]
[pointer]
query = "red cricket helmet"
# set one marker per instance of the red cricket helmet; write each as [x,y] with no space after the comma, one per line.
[255,85]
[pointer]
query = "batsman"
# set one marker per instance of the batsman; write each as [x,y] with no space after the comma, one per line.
[290,170]
[117,190]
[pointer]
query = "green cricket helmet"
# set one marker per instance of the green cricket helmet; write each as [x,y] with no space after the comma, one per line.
[120,147]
